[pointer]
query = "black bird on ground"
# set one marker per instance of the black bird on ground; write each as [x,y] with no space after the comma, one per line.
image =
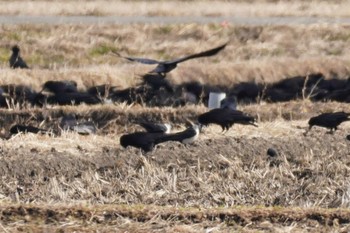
[156,127]
[225,117]
[328,120]
[157,81]
[164,67]
[73,98]
[147,141]
[26,129]
[58,87]
[16,60]
[18,94]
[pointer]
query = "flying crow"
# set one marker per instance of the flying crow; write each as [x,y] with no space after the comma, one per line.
[225,117]
[164,67]
[16,60]
[147,141]
[328,120]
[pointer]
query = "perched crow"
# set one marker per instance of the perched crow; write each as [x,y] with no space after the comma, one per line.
[19,94]
[156,127]
[157,81]
[73,98]
[164,67]
[58,87]
[147,141]
[225,117]
[26,129]
[328,120]
[16,60]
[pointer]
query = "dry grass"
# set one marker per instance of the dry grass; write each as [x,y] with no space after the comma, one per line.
[215,183]
[259,8]
[262,54]
[219,183]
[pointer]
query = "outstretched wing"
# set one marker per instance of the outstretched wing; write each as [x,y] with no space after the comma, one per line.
[207,53]
[140,60]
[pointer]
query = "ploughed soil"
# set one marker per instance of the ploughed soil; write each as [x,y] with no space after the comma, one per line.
[221,182]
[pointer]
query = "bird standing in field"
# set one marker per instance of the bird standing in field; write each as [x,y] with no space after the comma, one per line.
[26,129]
[16,60]
[147,141]
[328,120]
[225,117]
[164,67]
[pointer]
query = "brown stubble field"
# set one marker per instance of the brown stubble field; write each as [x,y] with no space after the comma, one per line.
[221,183]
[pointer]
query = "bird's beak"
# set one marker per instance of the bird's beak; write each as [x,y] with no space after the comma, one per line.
[200,127]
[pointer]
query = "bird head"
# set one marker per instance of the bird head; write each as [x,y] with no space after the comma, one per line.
[312,122]
[15,49]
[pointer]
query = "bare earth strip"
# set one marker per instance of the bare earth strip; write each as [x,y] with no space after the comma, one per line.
[121,218]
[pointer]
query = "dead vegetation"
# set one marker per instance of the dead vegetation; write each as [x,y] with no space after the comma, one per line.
[254,53]
[261,8]
[217,182]
[222,182]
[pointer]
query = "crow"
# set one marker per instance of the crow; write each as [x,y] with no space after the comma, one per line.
[73,98]
[26,129]
[156,127]
[16,60]
[328,120]
[147,141]
[164,67]
[58,87]
[157,81]
[225,117]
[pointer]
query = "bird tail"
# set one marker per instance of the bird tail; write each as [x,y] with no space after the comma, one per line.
[177,137]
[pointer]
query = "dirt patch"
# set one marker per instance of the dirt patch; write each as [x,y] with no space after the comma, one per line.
[153,218]
[218,170]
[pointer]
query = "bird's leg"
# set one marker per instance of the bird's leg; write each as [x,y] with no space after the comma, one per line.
[331,131]
[307,130]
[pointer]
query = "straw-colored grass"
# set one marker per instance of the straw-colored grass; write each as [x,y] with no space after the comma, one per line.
[259,8]
[261,54]
[218,181]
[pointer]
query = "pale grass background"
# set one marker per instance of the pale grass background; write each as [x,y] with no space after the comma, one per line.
[256,8]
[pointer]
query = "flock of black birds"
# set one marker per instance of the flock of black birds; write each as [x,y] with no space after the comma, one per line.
[156,90]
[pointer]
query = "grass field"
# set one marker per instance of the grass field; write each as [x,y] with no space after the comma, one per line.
[260,8]
[221,183]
